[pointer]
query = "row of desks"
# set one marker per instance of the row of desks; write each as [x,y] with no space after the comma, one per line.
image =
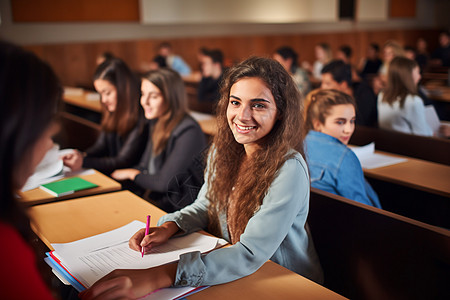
[70,220]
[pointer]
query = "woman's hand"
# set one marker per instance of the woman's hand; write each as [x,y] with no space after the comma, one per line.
[73,160]
[124,174]
[157,236]
[131,284]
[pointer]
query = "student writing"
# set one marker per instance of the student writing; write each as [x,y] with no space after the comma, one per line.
[256,192]
[123,136]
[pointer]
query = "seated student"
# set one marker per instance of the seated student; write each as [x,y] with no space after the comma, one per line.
[323,55]
[288,58]
[174,61]
[175,137]
[345,53]
[123,137]
[338,75]
[330,122]
[441,55]
[256,194]
[369,66]
[29,96]
[399,106]
[212,74]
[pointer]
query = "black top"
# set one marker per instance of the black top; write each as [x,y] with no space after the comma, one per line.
[209,89]
[366,105]
[371,67]
[442,53]
[111,151]
[186,141]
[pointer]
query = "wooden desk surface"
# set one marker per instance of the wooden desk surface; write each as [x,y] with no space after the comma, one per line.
[79,97]
[207,122]
[415,173]
[75,219]
[105,184]
[438,92]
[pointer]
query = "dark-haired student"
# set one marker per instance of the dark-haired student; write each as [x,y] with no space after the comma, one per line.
[338,75]
[174,138]
[212,74]
[256,192]
[29,96]
[124,134]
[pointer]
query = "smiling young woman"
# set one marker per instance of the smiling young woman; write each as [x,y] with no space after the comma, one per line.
[256,175]
[329,124]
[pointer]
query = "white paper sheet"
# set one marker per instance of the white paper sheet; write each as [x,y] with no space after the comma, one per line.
[92,258]
[51,169]
[371,160]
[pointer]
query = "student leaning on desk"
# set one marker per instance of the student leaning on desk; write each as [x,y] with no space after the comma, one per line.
[29,96]
[256,193]
[124,134]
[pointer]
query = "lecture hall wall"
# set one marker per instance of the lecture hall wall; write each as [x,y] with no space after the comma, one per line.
[71,35]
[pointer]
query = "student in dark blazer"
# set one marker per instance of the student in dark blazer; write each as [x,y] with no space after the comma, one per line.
[175,138]
[123,136]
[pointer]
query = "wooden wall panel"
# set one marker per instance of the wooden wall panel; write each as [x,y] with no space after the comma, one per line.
[75,63]
[75,10]
[402,8]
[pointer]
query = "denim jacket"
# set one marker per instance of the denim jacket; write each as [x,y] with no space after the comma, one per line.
[336,169]
[277,231]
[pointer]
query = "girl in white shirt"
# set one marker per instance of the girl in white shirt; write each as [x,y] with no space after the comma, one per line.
[399,106]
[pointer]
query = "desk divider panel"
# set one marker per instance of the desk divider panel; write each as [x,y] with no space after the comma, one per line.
[368,253]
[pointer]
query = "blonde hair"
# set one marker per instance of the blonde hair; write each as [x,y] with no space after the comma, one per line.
[319,105]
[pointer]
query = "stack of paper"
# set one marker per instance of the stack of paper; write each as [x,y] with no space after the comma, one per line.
[82,263]
[371,160]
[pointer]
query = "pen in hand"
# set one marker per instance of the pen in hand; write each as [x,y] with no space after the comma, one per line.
[146,232]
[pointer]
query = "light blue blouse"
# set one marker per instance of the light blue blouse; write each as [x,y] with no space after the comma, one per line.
[277,231]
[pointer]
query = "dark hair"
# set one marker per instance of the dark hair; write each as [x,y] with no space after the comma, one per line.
[216,55]
[107,55]
[160,60]
[30,94]
[128,110]
[287,52]
[173,91]
[165,45]
[228,154]
[347,50]
[375,47]
[339,70]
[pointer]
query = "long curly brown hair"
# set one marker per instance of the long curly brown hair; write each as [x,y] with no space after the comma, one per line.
[246,184]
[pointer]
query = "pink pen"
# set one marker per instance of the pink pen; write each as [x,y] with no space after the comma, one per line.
[147,227]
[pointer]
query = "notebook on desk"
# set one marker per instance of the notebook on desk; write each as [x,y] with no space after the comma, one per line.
[67,186]
[82,263]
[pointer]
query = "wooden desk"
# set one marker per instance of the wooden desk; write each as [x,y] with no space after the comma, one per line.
[79,97]
[105,184]
[437,91]
[415,173]
[207,122]
[79,218]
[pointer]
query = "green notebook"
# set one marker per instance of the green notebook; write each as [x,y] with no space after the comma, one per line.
[67,186]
